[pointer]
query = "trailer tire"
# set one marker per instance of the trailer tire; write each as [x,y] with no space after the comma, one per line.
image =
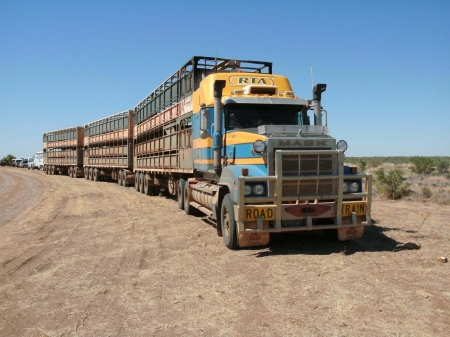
[188,209]
[96,175]
[148,190]
[136,181]
[180,193]
[86,173]
[119,178]
[228,222]
[124,179]
[53,170]
[141,183]
[91,174]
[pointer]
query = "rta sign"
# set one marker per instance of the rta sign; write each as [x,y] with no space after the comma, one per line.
[241,80]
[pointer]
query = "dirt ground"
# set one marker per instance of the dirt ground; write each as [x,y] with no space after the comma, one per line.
[84,258]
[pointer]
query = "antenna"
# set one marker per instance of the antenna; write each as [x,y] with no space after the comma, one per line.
[312,76]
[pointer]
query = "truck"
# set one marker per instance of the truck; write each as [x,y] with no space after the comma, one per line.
[63,151]
[37,161]
[230,139]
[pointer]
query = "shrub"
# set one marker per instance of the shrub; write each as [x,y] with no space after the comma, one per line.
[391,185]
[442,166]
[422,165]
[362,164]
[375,161]
[426,191]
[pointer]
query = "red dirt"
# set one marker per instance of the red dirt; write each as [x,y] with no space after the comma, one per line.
[84,258]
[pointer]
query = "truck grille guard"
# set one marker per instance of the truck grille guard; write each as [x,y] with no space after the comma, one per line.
[324,185]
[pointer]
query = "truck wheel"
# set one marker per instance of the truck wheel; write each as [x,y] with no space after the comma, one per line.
[124,179]
[228,223]
[69,172]
[53,170]
[96,175]
[180,193]
[148,190]
[91,174]
[141,183]
[119,178]
[86,173]
[188,209]
[136,181]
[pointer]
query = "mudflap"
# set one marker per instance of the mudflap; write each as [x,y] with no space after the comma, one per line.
[349,233]
[253,239]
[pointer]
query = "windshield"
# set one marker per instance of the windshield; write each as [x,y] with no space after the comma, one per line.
[240,116]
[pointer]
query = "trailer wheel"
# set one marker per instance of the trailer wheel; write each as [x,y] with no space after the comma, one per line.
[141,183]
[91,174]
[148,190]
[180,193]
[124,179]
[69,172]
[53,170]
[188,209]
[96,175]
[136,181]
[119,178]
[228,223]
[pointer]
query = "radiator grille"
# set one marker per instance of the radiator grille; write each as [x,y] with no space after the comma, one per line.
[308,165]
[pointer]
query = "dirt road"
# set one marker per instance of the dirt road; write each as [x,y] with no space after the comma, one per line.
[84,258]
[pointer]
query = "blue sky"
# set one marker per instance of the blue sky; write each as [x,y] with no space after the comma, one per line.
[386,63]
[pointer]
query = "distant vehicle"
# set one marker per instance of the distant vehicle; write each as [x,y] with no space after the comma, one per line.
[16,162]
[36,162]
[23,163]
[2,164]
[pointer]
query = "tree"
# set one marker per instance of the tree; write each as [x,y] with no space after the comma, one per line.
[391,185]
[8,159]
[422,165]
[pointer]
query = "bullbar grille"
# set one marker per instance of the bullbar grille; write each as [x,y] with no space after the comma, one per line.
[295,165]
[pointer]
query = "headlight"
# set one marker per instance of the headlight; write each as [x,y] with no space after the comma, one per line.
[354,186]
[259,146]
[247,190]
[341,145]
[345,186]
[258,189]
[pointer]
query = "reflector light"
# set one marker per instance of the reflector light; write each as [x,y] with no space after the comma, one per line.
[244,172]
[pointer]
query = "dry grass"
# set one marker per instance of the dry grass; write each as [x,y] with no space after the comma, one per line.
[424,188]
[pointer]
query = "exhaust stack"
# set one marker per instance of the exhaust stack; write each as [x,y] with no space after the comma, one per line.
[317,96]
[217,135]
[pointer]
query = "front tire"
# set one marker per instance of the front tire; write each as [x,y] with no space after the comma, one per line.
[228,223]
